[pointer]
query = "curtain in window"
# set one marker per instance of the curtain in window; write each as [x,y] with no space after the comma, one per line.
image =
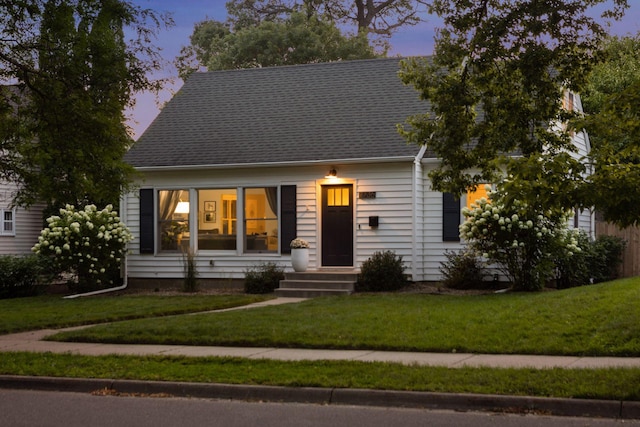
[272,198]
[168,202]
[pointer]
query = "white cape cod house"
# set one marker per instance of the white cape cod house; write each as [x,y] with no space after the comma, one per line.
[241,162]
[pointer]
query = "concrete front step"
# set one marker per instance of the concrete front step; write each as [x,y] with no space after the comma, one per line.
[317,283]
[348,276]
[310,293]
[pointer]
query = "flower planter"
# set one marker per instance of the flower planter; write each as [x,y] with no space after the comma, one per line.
[300,259]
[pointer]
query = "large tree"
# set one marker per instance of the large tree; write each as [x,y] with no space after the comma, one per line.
[495,88]
[380,17]
[278,32]
[75,74]
[612,103]
[619,69]
[297,39]
[604,94]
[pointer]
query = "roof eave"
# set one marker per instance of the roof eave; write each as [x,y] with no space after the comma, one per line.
[406,158]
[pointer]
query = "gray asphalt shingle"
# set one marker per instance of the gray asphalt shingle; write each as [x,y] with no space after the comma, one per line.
[301,113]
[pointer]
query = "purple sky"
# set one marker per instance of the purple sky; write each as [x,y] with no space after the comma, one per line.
[417,40]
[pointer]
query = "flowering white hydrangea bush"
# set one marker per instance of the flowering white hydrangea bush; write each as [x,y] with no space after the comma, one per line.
[522,243]
[88,243]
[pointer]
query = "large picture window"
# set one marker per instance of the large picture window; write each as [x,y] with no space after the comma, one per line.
[173,219]
[261,219]
[217,219]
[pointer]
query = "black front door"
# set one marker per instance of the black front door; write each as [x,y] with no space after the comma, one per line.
[337,225]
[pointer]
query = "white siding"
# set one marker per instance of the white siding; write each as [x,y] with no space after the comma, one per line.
[28,224]
[392,183]
[586,218]
[393,204]
[433,247]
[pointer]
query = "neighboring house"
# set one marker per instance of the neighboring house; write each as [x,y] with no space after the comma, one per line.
[19,228]
[240,162]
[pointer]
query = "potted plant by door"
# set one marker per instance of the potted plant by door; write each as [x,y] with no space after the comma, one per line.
[299,254]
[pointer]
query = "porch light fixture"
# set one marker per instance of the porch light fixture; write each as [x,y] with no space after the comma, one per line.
[332,173]
[182,208]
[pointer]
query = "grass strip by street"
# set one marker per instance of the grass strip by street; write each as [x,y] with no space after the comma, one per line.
[609,384]
[24,314]
[597,320]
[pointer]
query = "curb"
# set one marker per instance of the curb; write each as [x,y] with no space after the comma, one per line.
[337,396]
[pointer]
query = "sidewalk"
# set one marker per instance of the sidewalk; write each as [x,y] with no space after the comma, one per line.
[32,341]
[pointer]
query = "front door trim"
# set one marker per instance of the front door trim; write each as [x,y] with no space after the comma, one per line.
[328,250]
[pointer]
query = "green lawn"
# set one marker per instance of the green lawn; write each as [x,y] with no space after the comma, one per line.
[24,314]
[598,320]
[594,320]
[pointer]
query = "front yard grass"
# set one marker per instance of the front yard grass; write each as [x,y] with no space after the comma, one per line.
[598,320]
[593,320]
[25,314]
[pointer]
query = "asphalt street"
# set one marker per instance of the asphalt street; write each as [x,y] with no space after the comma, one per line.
[20,408]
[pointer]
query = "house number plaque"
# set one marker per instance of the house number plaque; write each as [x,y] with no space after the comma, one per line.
[367,195]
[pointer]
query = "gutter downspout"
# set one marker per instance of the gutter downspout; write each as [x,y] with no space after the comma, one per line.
[104,291]
[123,268]
[418,218]
[587,143]
[592,231]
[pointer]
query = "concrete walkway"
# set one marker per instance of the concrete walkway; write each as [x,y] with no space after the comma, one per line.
[33,341]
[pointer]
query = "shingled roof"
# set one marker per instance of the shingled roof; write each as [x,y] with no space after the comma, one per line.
[303,113]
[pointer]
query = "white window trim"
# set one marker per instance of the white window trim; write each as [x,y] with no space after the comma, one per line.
[12,232]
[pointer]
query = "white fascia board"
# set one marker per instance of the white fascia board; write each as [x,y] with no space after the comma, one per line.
[277,164]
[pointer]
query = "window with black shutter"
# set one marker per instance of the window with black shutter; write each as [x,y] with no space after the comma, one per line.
[288,220]
[147,241]
[450,218]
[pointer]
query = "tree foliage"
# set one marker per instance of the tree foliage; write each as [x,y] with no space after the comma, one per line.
[614,186]
[282,32]
[298,39]
[74,74]
[612,103]
[495,86]
[619,69]
[381,17]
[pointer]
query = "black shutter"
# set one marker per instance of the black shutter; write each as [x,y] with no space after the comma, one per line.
[147,241]
[450,218]
[288,217]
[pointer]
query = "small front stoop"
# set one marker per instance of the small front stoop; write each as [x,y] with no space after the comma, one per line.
[312,284]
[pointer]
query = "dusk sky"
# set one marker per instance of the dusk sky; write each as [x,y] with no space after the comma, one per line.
[411,41]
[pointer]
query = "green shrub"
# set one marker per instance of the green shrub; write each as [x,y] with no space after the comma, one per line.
[608,251]
[22,276]
[575,269]
[263,278]
[383,272]
[598,261]
[463,270]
